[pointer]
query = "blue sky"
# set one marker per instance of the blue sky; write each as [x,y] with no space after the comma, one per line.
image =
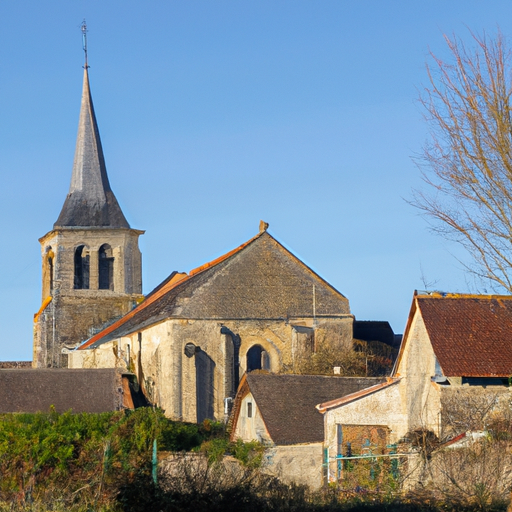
[216,114]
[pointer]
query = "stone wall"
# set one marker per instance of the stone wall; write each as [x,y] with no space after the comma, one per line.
[300,464]
[419,394]
[74,315]
[193,388]
[250,428]
[382,409]
[470,408]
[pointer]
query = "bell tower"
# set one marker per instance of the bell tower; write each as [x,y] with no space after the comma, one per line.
[91,262]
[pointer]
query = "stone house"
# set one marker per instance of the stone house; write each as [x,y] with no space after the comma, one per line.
[279,411]
[451,375]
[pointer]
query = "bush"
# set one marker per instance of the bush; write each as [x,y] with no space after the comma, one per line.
[83,458]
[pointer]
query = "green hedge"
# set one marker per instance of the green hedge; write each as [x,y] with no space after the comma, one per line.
[85,457]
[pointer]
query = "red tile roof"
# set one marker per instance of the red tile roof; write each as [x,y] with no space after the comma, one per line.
[471,335]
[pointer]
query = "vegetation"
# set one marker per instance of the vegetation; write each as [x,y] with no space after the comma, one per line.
[467,164]
[103,462]
[365,359]
[85,458]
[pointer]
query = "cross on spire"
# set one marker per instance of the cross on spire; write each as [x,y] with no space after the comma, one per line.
[84,41]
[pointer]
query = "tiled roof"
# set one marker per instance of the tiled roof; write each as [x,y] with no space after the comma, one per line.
[374,330]
[287,403]
[82,390]
[258,280]
[471,335]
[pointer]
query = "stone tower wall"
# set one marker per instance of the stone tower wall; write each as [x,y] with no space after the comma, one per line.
[74,315]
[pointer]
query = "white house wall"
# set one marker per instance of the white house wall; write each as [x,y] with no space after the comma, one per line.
[253,428]
[419,395]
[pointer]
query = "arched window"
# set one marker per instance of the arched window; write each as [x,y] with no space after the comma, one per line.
[81,268]
[257,359]
[105,268]
[50,271]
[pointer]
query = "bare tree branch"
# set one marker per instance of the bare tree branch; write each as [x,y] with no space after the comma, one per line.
[467,162]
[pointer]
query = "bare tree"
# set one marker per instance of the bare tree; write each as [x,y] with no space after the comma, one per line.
[467,162]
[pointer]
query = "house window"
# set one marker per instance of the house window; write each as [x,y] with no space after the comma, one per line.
[249,409]
[81,281]
[105,268]
[128,356]
[48,272]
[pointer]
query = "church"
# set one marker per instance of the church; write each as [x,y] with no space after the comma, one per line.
[190,341]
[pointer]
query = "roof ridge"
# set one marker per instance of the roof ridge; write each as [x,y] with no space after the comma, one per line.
[449,295]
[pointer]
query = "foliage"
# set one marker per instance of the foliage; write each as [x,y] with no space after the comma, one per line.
[467,164]
[249,455]
[476,471]
[372,359]
[477,476]
[102,462]
[83,458]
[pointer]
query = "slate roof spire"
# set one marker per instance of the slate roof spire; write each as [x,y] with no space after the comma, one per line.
[90,201]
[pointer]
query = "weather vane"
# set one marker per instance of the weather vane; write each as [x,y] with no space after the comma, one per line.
[84,41]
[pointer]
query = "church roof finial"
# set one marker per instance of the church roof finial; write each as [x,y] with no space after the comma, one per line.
[84,42]
[90,201]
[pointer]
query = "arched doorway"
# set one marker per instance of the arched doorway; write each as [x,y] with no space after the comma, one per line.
[257,359]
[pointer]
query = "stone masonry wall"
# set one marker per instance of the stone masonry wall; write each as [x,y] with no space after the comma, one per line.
[74,315]
[194,388]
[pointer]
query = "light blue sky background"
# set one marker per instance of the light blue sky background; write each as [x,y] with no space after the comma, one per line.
[216,114]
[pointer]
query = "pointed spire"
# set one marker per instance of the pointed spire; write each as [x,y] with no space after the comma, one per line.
[90,201]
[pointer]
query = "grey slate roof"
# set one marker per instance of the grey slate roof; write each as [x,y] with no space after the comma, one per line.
[90,201]
[287,402]
[82,390]
[259,280]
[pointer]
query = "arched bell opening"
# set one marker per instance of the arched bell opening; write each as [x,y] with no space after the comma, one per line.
[105,268]
[81,280]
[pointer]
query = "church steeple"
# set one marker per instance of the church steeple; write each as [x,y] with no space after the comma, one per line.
[90,201]
[91,262]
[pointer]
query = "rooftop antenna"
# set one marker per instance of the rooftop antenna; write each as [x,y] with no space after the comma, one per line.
[84,42]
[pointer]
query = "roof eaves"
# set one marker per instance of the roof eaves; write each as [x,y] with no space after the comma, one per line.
[324,407]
